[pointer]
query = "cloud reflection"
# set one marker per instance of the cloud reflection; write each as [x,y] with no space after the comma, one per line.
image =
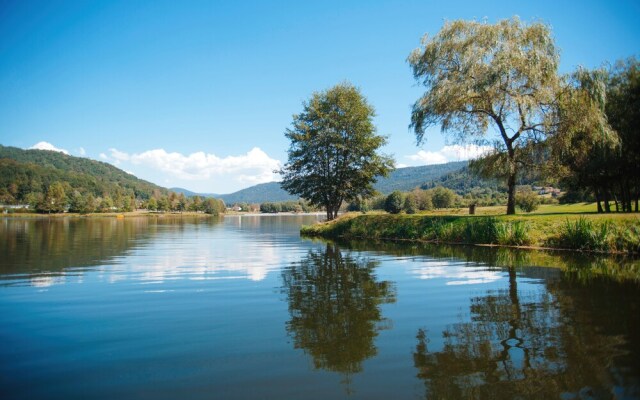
[456,273]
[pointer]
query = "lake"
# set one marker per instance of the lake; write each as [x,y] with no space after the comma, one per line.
[241,307]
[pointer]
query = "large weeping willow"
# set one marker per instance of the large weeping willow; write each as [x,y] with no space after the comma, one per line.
[478,75]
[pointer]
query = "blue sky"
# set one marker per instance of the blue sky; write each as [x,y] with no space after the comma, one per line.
[198,94]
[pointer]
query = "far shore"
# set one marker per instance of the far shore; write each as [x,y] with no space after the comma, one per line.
[147,213]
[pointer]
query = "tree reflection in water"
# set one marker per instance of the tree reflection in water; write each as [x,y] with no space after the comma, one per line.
[334,303]
[523,345]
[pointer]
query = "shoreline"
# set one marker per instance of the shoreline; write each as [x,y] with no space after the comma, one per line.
[128,214]
[145,213]
[586,233]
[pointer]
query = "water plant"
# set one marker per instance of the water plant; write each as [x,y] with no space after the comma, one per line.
[512,233]
[582,234]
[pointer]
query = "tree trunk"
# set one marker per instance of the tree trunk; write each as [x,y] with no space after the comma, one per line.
[329,213]
[511,201]
[597,193]
[511,179]
[628,196]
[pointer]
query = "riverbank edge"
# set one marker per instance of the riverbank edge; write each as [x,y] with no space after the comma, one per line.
[569,232]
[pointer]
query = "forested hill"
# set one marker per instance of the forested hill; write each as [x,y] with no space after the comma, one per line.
[408,178]
[24,172]
[402,179]
[261,193]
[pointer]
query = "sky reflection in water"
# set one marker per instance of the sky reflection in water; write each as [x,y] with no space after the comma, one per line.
[241,307]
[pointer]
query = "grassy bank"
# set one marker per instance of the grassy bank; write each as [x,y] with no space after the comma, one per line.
[551,227]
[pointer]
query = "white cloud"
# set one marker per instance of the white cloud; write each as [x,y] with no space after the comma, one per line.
[450,153]
[82,151]
[47,146]
[247,169]
[119,155]
[428,157]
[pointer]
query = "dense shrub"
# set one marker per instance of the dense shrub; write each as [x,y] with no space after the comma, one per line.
[377,203]
[527,200]
[410,204]
[512,234]
[270,208]
[394,202]
[583,234]
[423,199]
[358,205]
[443,197]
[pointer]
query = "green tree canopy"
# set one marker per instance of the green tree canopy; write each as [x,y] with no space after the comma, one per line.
[333,154]
[55,200]
[479,75]
[443,197]
[601,155]
[393,203]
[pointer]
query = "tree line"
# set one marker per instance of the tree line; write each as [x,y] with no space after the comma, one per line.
[287,206]
[593,168]
[61,197]
[440,197]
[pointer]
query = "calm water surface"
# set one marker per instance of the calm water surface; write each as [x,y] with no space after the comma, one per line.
[243,308]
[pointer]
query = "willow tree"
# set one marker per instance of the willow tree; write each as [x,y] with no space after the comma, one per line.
[482,79]
[333,153]
[584,146]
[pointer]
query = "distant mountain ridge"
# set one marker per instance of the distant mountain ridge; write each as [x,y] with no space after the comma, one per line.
[403,179]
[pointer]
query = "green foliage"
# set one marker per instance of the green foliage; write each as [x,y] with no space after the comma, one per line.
[408,178]
[333,153]
[442,197]
[477,74]
[54,182]
[576,195]
[55,199]
[599,153]
[410,204]
[152,204]
[583,234]
[579,234]
[514,233]
[359,205]
[270,208]
[423,199]
[527,200]
[214,206]
[286,206]
[33,171]
[261,193]
[393,203]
